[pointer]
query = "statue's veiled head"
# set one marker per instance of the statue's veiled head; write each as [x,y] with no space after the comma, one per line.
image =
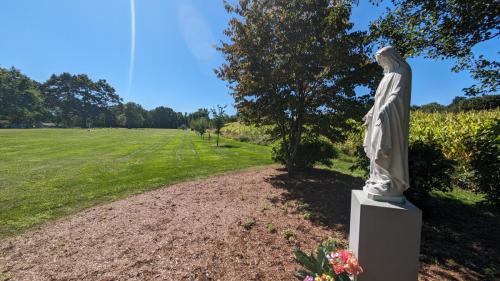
[389,59]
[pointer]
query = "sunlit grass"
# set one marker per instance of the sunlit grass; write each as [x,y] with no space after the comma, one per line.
[48,173]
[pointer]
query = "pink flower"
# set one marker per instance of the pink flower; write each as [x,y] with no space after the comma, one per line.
[338,268]
[344,255]
[352,266]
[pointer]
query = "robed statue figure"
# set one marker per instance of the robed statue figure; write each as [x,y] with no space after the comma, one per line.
[387,126]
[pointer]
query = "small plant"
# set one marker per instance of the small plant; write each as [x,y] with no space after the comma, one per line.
[249,223]
[328,264]
[288,234]
[265,208]
[271,227]
[307,215]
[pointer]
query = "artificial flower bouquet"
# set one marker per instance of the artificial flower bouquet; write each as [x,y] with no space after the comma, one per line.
[328,265]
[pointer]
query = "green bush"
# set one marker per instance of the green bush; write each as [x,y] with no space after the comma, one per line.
[247,133]
[361,162]
[311,151]
[429,170]
[485,161]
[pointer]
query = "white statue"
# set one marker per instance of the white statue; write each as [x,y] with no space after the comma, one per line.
[387,126]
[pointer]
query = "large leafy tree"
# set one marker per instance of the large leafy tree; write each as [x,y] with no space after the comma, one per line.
[77,97]
[20,98]
[135,115]
[164,117]
[449,29]
[295,64]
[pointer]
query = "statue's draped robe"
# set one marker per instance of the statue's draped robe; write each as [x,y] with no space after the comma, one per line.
[386,138]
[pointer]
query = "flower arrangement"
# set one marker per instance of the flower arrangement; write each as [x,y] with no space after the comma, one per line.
[328,264]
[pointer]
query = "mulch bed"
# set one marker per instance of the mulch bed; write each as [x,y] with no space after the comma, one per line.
[198,230]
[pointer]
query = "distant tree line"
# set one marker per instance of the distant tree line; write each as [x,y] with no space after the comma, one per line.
[75,100]
[460,104]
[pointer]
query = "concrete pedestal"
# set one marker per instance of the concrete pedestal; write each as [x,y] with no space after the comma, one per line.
[386,238]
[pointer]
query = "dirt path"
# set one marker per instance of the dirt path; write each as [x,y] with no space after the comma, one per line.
[188,231]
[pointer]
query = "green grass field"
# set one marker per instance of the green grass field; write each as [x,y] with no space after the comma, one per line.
[48,173]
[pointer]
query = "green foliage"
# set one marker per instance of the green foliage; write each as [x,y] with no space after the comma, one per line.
[295,64]
[432,107]
[429,170]
[200,113]
[444,29]
[451,131]
[459,104]
[77,100]
[489,102]
[317,265]
[135,115]
[362,162]
[249,223]
[21,103]
[310,151]
[485,161]
[247,133]
[164,117]
[455,136]
[271,228]
[49,173]
[218,118]
[200,125]
[288,234]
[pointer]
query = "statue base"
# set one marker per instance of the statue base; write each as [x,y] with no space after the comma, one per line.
[392,199]
[385,237]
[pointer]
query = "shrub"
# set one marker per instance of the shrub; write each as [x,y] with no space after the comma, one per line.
[310,152]
[361,162]
[452,133]
[485,161]
[271,227]
[429,170]
[288,234]
[249,223]
[247,133]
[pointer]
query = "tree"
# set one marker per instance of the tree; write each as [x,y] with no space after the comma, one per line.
[432,107]
[164,117]
[218,118]
[20,100]
[295,64]
[134,115]
[115,116]
[200,113]
[476,103]
[76,98]
[445,29]
[200,125]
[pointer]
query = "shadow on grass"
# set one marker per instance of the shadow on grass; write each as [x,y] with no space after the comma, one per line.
[456,237]
[225,145]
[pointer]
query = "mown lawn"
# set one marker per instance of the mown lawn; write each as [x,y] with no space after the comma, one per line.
[48,173]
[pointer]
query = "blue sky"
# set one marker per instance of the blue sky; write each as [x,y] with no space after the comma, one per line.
[159,52]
